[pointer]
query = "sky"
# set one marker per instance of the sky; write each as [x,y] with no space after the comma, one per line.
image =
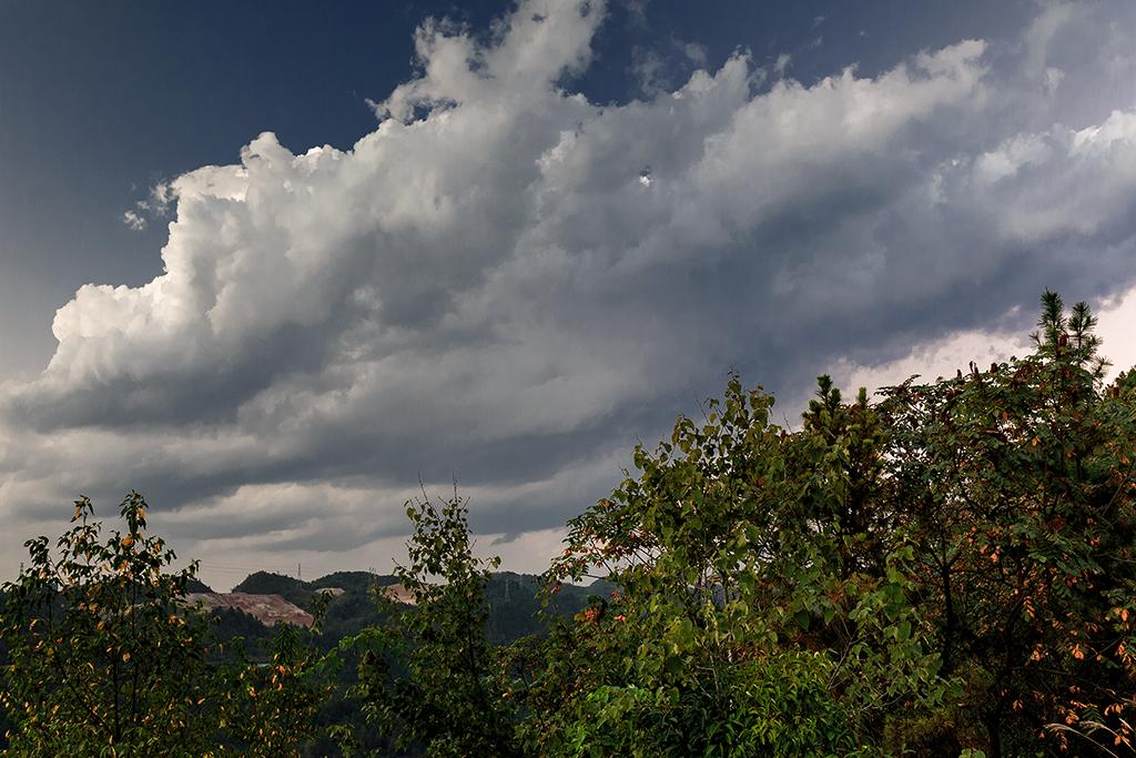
[282,267]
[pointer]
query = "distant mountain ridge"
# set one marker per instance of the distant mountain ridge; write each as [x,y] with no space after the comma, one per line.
[513,599]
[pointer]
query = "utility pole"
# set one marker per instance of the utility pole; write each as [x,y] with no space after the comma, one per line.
[300,571]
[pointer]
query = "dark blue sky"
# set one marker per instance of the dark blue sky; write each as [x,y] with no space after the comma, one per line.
[101,100]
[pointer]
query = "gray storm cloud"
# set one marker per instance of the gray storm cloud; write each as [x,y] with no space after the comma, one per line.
[486,285]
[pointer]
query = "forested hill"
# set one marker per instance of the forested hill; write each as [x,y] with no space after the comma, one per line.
[351,607]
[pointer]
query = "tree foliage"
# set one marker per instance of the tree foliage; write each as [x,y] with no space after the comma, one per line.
[426,680]
[1016,486]
[106,658]
[947,569]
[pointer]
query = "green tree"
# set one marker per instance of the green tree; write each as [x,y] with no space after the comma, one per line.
[1015,485]
[427,680]
[102,654]
[760,611]
[271,708]
[950,569]
[104,657]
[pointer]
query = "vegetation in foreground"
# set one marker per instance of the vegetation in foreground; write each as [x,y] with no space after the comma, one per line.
[948,570]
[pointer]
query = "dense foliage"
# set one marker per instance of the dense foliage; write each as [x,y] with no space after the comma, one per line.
[105,658]
[949,569]
[438,694]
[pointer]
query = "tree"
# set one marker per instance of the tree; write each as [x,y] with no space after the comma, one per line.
[1016,487]
[102,653]
[105,657]
[427,680]
[761,609]
[949,569]
[271,708]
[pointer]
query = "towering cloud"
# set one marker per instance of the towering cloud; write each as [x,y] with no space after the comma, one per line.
[511,283]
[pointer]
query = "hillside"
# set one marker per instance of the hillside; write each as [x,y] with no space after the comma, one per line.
[513,603]
[269,610]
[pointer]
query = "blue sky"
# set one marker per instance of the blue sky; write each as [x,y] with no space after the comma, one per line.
[574,219]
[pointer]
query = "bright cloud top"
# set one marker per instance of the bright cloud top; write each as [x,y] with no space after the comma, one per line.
[507,281]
